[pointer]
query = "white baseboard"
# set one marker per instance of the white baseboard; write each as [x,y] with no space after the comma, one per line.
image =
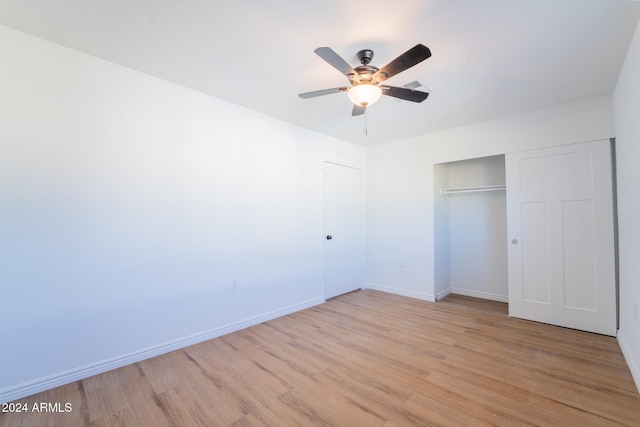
[442,294]
[19,391]
[478,294]
[402,292]
[631,361]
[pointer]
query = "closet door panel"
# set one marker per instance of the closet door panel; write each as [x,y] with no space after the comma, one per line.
[561,241]
[579,255]
[535,253]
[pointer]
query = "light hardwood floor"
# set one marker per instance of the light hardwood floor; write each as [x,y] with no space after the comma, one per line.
[366,359]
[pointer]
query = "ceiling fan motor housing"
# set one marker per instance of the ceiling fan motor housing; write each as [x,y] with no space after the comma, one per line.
[366,72]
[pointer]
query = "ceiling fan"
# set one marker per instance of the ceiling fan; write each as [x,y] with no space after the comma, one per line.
[365,79]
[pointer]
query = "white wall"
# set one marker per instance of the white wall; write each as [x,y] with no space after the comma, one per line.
[627,126]
[127,206]
[400,186]
[441,233]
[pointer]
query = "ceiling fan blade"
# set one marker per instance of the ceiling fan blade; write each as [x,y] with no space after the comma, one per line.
[413,85]
[413,56]
[404,93]
[322,92]
[358,110]
[335,61]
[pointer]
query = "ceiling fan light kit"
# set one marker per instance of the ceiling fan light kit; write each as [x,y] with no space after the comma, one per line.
[366,79]
[364,94]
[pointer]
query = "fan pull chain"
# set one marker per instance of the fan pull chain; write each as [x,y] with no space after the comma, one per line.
[366,130]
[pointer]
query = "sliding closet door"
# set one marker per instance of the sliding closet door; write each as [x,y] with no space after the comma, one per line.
[561,236]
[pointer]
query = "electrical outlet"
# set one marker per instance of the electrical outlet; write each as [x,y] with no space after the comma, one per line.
[234,284]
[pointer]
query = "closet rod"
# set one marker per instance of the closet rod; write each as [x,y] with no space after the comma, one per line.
[460,190]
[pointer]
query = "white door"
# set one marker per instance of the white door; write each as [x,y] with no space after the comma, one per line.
[344,234]
[561,236]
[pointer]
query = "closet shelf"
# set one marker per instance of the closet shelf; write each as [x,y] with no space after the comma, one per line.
[460,190]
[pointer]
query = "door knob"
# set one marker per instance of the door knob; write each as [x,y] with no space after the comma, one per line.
[329,237]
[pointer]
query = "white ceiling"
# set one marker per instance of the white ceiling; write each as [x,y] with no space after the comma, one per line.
[491,58]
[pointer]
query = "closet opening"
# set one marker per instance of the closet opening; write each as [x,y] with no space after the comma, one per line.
[470,228]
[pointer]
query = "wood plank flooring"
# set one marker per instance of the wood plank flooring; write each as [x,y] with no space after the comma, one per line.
[366,359]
